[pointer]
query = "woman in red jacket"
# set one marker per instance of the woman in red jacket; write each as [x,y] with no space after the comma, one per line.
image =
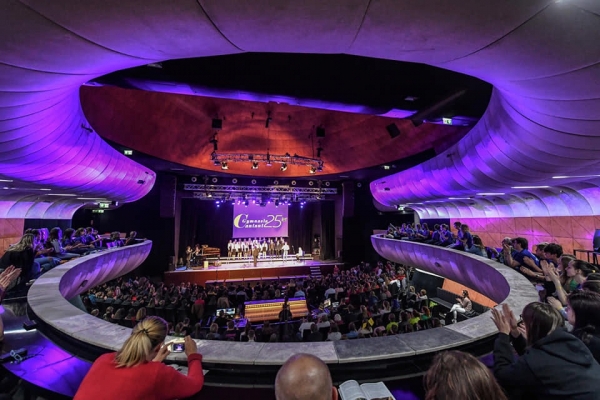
[137,372]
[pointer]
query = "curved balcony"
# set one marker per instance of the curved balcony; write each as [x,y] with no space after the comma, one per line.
[257,363]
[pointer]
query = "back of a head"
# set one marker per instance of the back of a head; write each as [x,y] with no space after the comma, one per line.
[145,336]
[540,320]
[304,376]
[457,375]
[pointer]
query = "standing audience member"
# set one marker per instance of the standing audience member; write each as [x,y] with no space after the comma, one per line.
[457,375]
[304,377]
[137,372]
[553,364]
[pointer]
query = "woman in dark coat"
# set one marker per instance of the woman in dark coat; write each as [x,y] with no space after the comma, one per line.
[553,364]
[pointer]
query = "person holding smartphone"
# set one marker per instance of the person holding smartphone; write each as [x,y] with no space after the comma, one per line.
[136,371]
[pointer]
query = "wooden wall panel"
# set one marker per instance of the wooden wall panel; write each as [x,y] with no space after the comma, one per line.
[11,230]
[570,232]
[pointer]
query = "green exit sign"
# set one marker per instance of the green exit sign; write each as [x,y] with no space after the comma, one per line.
[128,152]
[98,211]
[447,121]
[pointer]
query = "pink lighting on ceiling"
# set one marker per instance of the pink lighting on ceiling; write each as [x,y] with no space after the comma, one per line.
[541,56]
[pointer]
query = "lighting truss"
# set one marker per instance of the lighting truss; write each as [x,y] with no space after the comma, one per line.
[198,187]
[315,164]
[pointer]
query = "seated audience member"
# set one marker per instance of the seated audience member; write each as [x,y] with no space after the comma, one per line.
[352,332]
[506,247]
[304,377]
[132,239]
[53,243]
[583,313]
[334,333]
[458,243]
[592,283]
[516,259]
[478,248]
[556,364]
[458,375]
[553,252]
[21,255]
[464,304]
[137,372]
[315,335]
[231,334]
[213,333]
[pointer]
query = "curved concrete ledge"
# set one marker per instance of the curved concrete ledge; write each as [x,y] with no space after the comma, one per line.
[494,280]
[47,299]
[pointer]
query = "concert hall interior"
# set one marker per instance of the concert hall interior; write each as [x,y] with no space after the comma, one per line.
[374,183]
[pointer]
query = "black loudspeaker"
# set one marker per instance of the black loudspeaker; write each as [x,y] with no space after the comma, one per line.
[168,189]
[348,199]
[321,132]
[596,240]
[393,130]
[217,123]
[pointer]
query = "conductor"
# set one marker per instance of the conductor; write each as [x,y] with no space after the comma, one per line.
[255,253]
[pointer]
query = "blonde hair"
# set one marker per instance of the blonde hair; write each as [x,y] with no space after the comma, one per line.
[141,314]
[146,335]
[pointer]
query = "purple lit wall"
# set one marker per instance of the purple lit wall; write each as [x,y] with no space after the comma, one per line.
[542,56]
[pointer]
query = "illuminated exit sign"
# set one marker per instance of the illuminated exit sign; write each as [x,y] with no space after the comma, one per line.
[447,121]
[128,152]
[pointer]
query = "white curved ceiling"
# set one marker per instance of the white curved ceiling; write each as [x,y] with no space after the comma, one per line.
[543,57]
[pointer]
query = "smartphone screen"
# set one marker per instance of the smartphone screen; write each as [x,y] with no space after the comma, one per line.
[178,347]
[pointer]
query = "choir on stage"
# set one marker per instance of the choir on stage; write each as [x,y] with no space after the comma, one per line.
[267,248]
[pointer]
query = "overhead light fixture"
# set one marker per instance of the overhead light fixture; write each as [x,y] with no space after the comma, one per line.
[574,176]
[312,170]
[489,194]
[216,163]
[459,198]
[6,180]
[283,166]
[91,198]
[61,194]
[224,165]
[268,160]
[45,189]
[254,164]
[530,187]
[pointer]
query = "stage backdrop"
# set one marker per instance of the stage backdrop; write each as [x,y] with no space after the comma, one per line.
[260,221]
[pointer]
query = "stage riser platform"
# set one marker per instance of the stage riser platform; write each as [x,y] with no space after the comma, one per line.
[223,273]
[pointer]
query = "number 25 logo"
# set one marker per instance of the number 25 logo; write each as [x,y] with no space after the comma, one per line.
[274,221]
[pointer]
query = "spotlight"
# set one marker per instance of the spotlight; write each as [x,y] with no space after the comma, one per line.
[283,166]
[254,164]
[224,165]
[216,163]
[268,160]
[276,203]
[312,170]
[320,168]
[246,203]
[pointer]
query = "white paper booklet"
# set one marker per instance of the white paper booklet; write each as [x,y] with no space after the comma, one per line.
[351,390]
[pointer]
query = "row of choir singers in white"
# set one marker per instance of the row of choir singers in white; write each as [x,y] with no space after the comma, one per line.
[242,248]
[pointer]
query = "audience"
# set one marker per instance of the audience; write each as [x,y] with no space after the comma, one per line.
[137,370]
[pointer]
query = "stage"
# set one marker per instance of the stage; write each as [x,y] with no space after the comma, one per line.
[240,271]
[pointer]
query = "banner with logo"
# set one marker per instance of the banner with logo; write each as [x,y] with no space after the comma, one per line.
[257,221]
